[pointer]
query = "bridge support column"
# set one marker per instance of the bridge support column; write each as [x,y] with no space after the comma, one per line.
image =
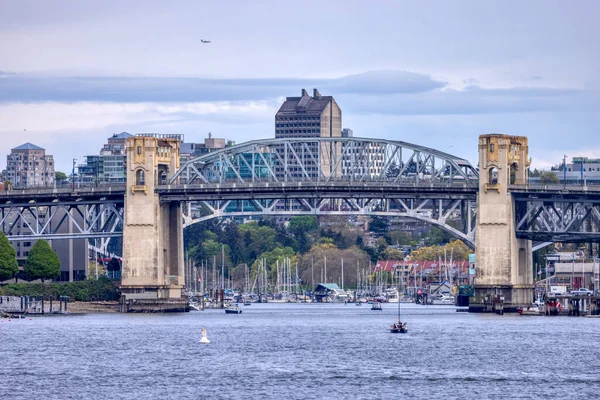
[153,269]
[503,263]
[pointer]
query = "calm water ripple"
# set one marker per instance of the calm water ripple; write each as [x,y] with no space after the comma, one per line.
[300,351]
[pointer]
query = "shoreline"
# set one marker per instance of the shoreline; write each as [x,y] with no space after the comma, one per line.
[92,307]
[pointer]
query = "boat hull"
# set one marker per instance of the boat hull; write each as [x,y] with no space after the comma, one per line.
[398,330]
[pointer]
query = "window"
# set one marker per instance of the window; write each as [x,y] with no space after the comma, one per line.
[139,177]
[139,149]
[493,176]
[492,148]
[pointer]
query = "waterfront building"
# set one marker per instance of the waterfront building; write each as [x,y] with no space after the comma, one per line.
[581,170]
[28,165]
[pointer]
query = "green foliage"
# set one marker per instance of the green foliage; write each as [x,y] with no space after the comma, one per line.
[303,224]
[549,178]
[273,257]
[114,265]
[437,236]
[300,227]
[535,173]
[101,289]
[8,259]
[42,262]
[258,239]
[60,176]
[391,254]
[379,225]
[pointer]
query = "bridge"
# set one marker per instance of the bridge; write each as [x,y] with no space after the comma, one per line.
[498,210]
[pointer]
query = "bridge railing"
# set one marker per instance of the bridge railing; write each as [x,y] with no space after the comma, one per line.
[63,190]
[555,188]
[408,183]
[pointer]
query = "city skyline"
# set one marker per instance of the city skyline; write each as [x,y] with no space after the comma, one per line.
[75,74]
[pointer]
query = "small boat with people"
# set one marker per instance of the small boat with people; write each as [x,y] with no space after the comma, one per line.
[399,327]
[376,306]
[233,309]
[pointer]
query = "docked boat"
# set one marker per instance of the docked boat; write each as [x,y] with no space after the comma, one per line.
[233,309]
[441,300]
[376,306]
[537,308]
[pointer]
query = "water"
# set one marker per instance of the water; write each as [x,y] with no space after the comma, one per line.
[300,351]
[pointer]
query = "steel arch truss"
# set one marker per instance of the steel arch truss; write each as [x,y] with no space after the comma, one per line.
[560,220]
[325,160]
[456,216]
[88,219]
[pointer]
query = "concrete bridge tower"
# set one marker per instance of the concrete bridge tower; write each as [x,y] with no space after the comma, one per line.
[503,263]
[153,268]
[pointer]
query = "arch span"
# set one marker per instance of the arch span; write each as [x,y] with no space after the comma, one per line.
[325,160]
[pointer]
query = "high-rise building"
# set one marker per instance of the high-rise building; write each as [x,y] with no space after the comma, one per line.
[107,166]
[28,165]
[308,117]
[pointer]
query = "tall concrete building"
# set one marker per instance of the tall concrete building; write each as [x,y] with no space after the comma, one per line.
[308,117]
[28,165]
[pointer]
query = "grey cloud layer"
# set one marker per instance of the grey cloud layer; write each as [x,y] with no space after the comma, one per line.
[386,92]
[118,89]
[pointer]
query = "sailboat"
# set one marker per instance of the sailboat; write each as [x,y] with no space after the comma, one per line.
[399,327]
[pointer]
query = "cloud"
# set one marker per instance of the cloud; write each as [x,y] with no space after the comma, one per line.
[32,88]
[379,92]
[475,100]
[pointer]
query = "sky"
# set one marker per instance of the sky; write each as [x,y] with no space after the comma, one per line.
[432,73]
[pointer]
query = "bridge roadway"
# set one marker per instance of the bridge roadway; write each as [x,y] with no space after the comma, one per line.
[545,213]
[311,189]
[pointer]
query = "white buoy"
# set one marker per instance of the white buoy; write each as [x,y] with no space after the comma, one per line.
[204,339]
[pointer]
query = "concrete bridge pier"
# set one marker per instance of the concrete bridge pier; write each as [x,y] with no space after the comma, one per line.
[153,268]
[503,263]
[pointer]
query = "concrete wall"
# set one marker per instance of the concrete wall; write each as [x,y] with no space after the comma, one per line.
[152,234]
[503,262]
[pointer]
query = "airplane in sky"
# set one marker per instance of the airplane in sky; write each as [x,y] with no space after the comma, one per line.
[205,41]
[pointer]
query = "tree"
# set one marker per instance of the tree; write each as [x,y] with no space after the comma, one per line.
[235,240]
[549,178]
[114,265]
[42,262]
[379,225]
[535,173]
[60,176]
[300,227]
[8,185]
[455,249]
[8,259]
[391,254]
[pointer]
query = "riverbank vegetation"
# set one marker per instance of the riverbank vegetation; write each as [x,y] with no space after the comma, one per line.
[101,289]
